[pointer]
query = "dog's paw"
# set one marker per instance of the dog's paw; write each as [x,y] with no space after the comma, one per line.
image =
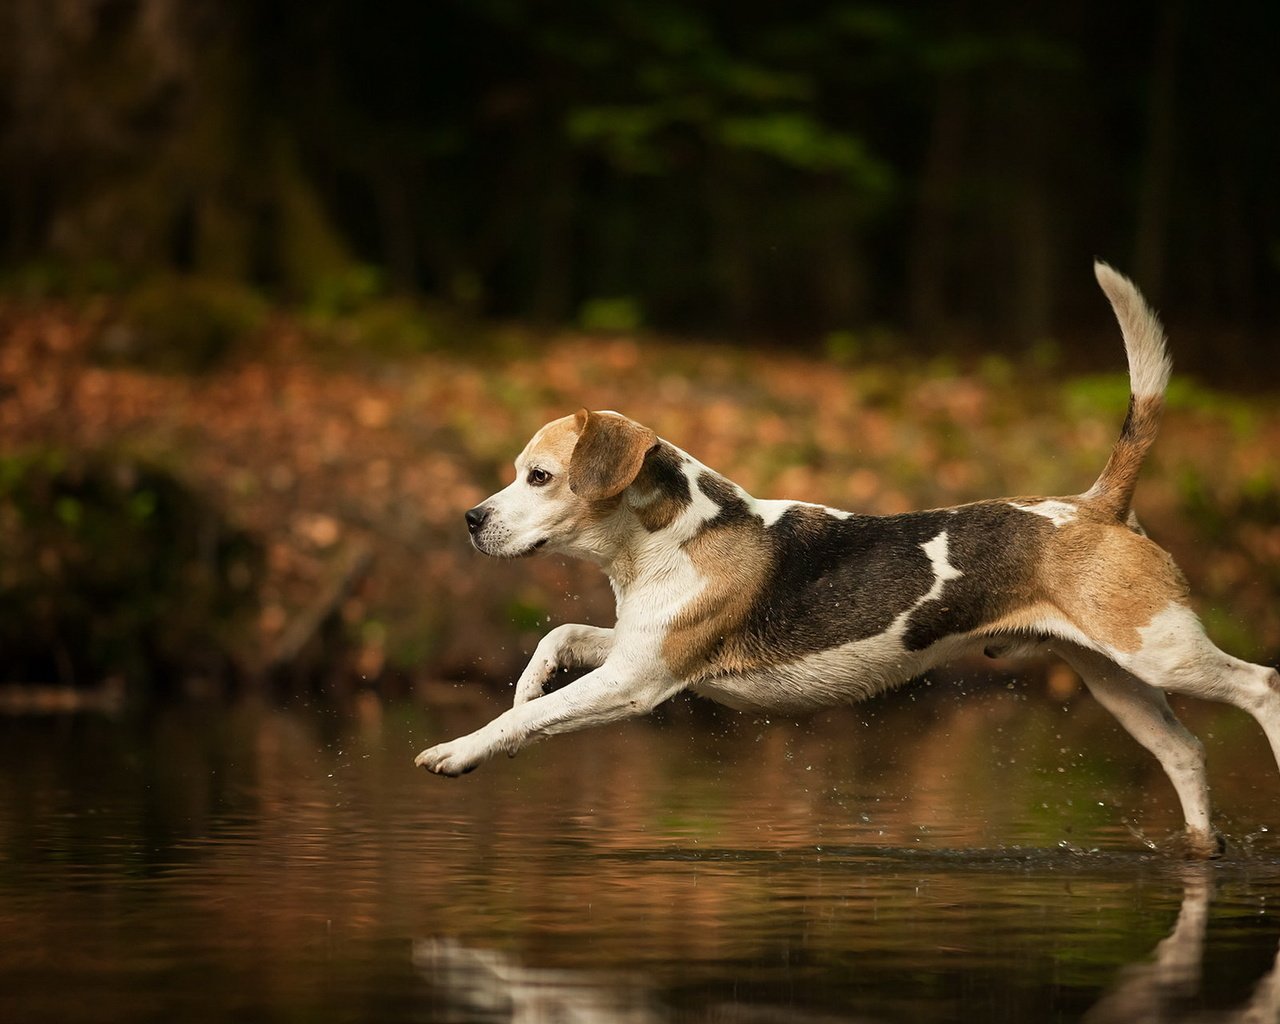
[1198,845]
[451,759]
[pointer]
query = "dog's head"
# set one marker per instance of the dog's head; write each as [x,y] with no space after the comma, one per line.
[569,480]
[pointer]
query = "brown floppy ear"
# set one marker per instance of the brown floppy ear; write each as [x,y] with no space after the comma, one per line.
[608,455]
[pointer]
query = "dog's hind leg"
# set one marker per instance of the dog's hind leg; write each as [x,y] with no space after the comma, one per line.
[1255,689]
[1176,655]
[1145,714]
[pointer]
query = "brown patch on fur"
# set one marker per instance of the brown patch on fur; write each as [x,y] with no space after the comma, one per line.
[661,489]
[1025,620]
[1109,581]
[659,513]
[608,455]
[554,442]
[1113,491]
[706,637]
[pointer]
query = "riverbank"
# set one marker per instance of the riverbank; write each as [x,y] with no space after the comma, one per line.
[344,465]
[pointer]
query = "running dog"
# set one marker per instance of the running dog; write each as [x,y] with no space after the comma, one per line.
[776,605]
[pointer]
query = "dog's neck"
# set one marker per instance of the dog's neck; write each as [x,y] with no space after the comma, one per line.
[671,502]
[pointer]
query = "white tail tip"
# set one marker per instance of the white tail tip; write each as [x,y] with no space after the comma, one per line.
[1144,340]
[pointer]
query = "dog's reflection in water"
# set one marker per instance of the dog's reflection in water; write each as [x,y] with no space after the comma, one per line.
[1162,988]
[488,985]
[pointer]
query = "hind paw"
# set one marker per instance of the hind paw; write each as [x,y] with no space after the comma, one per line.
[1204,845]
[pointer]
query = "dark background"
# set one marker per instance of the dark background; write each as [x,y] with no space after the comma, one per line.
[763,170]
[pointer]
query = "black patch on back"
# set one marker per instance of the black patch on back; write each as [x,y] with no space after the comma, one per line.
[836,580]
[994,546]
[733,507]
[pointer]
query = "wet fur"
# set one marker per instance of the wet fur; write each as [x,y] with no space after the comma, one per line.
[775,605]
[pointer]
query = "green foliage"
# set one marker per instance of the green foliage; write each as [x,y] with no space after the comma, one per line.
[308,246]
[110,565]
[1260,497]
[800,141]
[857,348]
[1187,394]
[619,314]
[346,292]
[1097,395]
[182,324]
[843,347]
[354,319]
[998,372]
[49,278]
[393,327]
[625,134]
[1107,394]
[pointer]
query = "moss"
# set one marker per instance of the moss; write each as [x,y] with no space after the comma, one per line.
[612,315]
[182,325]
[352,316]
[308,247]
[132,574]
[52,278]
[1186,394]
[1097,395]
[345,292]
[394,327]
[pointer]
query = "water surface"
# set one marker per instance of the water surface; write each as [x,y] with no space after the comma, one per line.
[1004,857]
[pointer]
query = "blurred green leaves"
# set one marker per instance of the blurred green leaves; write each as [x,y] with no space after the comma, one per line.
[111,566]
[181,323]
[695,84]
[798,140]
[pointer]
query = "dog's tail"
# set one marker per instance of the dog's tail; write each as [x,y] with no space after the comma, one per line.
[1149,368]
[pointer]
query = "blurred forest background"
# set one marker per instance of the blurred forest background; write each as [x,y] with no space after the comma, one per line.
[285,286]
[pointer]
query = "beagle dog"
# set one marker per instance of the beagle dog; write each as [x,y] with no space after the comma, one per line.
[776,605]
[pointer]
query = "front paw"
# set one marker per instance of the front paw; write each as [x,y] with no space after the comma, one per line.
[451,759]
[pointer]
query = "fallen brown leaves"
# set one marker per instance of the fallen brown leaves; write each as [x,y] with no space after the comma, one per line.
[319,456]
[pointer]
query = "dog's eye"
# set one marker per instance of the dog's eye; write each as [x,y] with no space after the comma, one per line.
[538,477]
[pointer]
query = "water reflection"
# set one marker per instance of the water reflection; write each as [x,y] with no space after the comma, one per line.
[490,985]
[920,861]
[484,985]
[1164,988]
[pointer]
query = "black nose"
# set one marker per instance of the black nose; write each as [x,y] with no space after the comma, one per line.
[475,517]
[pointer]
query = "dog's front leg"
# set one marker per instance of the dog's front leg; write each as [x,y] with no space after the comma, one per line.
[567,646]
[603,695]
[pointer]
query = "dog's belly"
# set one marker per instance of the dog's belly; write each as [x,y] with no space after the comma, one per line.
[839,675]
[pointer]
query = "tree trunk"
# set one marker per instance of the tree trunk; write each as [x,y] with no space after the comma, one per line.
[730,242]
[1150,244]
[553,275]
[399,245]
[931,234]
